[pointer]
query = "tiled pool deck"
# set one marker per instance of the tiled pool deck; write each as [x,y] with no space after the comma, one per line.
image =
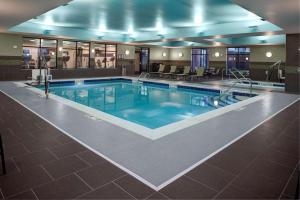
[44,163]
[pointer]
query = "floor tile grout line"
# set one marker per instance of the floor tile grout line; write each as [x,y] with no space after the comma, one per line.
[246,167]
[34,194]
[86,162]
[53,179]
[15,194]
[53,154]
[117,185]
[18,169]
[2,193]
[199,182]
[291,176]
[219,168]
[81,179]
[235,177]
[101,186]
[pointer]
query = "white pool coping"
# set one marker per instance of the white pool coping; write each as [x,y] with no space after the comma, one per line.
[152,134]
[262,85]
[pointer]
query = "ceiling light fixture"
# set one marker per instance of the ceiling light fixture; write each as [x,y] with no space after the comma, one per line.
[198,19]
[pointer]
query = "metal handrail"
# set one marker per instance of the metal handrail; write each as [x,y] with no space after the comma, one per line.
[238,80]
[271,67]
[145,74]
[223,70]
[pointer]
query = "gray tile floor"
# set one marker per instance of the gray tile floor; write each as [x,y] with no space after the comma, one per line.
[155,162]
[261,165]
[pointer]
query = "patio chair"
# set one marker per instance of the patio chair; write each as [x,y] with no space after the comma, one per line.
[199,73]
[171,72]
[216,72]
[186,72]
[160,70]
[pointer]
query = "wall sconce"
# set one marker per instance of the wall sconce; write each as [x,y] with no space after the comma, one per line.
[180,54]
[60,49]
[127,52]
[93,50]
[52,53]
[247,58]
[217,54]
[269,54]
[164,54]
[15,46]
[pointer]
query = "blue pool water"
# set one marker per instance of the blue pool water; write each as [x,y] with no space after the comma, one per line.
[147,104]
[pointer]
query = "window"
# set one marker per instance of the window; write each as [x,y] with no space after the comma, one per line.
[238,58]
[69,54]
[199,58]
[31,53]
[83,55]
[100,56]
[48,50]
[34,49]
[105,55]
[111,51]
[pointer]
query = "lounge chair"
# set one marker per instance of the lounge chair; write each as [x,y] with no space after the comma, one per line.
[186,72]
[199,73]
[160,70]
[172,71]
[216,72]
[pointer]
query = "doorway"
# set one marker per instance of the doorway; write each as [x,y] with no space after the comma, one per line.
[144,59]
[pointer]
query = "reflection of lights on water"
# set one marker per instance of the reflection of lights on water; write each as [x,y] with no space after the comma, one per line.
[83,94]
[170,104]
[186,115]
[216,103]
[144,90]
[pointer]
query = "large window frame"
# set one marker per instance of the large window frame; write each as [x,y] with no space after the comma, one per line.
[111,49]
[39,47]
[238,57]
[200,58]
[106,55]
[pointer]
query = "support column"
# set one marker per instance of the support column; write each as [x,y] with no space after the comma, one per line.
[292,70]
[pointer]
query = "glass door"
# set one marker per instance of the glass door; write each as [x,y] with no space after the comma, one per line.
[145,55]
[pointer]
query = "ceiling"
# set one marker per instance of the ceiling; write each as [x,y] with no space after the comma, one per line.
[284,13]
[157,22]
[13,12]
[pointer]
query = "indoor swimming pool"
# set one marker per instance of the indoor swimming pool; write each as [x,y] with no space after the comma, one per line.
[149,104]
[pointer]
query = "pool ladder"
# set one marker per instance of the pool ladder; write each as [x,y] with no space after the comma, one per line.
[237,81]
[144,75]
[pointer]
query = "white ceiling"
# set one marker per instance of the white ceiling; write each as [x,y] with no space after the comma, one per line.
[283,13]
[13,12]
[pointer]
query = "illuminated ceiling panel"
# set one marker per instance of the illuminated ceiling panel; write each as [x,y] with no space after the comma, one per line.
[145,21]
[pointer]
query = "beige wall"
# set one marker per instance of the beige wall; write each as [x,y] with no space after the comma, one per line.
[258,53]
[10,45]
[222,53]
[121,49]
[157,52]
[174,54]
